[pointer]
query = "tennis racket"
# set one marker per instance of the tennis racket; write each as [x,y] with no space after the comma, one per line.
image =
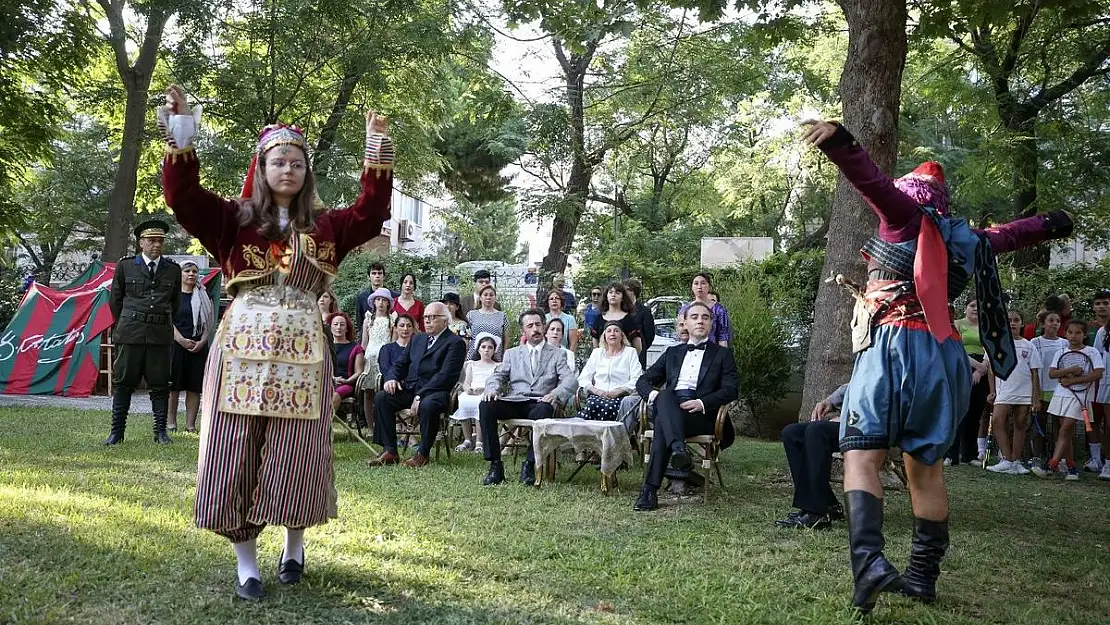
[1081,362]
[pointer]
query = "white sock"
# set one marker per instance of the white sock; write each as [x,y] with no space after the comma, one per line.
[294,545]
[246,555]
[1096,451]
[982,443]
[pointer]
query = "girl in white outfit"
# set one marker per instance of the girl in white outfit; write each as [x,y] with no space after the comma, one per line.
[475,374]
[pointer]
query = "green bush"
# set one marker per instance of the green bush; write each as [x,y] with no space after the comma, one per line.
[1028,288]
[10,296]
[352,277]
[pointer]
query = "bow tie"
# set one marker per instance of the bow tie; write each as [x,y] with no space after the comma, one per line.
[691,348]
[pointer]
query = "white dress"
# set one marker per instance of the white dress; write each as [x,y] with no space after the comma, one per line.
[468,404]
[376,333]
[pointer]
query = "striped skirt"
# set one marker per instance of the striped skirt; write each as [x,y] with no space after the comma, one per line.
[257,470]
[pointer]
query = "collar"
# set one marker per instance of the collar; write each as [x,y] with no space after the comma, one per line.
[695,343]
[147,260]
[436,337]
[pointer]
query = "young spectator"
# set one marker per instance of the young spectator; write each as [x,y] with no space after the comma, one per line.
[475,375]
[349,359]
[554,332]
[570,302]
[407,303]
[593,309]
[482,279]
[1101,409]
[1064,404]
[327,305]
[617,306]
[714,297]
[376,272]
[488,319]
[555,310]
[456,320]
[1016,393]
[1052,303]
[1048,344]
[722,327]
[643,317]
[967,447]
[609,378]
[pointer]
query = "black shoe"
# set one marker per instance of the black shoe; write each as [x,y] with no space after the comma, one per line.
[528,473]
[496,474]
[836,512]
[161,438]
[873,573]
[290,571]
[805,520]
[930,542]
[648,500]
[250,591]
[680,460]
[115,438]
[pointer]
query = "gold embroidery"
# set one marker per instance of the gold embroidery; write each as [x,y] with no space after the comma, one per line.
[326,252]
[254,256]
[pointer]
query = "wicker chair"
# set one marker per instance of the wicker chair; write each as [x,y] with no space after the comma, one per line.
[707,445]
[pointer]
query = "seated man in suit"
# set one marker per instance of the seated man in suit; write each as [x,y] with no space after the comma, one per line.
[421,380]
[538,378]
[809,449]
[698,377]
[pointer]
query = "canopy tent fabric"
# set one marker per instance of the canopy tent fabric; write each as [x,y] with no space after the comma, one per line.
[52,345]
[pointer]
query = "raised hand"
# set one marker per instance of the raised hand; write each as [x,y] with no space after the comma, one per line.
[376,124]
[176,103]
[818,132]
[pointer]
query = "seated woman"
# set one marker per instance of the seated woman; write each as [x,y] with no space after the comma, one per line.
[554,334]
[609,379]
[475,374]
[390,353]
[349,360]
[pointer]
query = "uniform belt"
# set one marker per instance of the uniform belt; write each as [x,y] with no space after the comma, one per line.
[148,318]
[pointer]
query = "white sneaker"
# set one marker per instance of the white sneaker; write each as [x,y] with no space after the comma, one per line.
[1043,472]
[1093,466]
[465,446]
[1003,466]
[947,462]
[1105,474]
[1017,468]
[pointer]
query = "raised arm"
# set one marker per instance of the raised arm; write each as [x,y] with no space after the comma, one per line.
[1029,231]
[213,220]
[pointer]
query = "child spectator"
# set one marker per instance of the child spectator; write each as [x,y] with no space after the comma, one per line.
[1065,405]
[1101,408]
[1048,345]
[475,375]
[1015,394]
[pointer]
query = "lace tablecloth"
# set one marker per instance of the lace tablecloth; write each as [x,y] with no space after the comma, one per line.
[608,438]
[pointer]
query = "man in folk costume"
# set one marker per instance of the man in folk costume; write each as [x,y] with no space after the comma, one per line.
[266,440]
[911,382]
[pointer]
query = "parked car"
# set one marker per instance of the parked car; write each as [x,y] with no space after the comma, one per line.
[664,310]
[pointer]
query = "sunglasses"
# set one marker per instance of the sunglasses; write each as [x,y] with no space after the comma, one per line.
[595,294]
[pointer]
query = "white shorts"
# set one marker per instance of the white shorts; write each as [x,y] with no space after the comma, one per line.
[1064,404]
[1014,399]
[1103,395]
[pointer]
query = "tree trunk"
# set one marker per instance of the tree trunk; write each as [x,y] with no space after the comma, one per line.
[870,87]
[1026,161]
[330,128]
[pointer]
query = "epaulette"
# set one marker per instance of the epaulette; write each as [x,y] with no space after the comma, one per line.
[169,260]
[127,258]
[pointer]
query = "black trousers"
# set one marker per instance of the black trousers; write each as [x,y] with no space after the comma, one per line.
[966,448]
[133,363]
[809,449]
[491,412]
[672,426]
[386,407]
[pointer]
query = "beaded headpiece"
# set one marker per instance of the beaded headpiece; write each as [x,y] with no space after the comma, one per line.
[272,136]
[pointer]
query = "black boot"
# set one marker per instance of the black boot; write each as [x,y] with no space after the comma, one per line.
[160,406]
[496,474]
[121,404]
[528,472]
[930,541]
[872,572]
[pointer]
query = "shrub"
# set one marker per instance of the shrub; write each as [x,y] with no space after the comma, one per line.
[11,284]
[1029,287]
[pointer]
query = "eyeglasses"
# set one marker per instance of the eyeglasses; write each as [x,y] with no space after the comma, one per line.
[279,163]
[430,317]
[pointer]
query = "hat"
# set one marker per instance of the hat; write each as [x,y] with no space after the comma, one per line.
[925,185]
[153,229]
[383,292]
[189,263]
[451,298]
[487,335]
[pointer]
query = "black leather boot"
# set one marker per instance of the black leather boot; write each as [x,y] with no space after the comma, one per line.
[160,406]
[930,542]
[496,473]
[121,404]
[872,572]
[528,472]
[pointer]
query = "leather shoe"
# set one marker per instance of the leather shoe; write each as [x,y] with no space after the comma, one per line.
[160,438]
[387,457]
[417,461]
[289,571]
[113,439]
[680,460]
[528,473]
[496,474]
[250,591]
[836,512]
[805,520]
[648,500]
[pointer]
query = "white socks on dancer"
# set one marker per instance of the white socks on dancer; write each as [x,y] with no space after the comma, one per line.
[1096,451]
[294,545]
[246,555]
[982,445]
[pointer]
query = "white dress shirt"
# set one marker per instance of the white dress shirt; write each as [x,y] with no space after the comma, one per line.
[688,374]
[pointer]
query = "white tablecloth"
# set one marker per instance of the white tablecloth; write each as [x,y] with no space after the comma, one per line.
[608,438]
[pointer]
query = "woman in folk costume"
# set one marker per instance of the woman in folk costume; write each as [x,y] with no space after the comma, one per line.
[912,379]
[266,445]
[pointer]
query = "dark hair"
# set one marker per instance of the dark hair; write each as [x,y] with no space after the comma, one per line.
[1042,316]
[482,274]
[451,298]
[1103,294]
[528,313]
[334,307]
[408,274]
[261,209]
[705,275]
[626,302]
[700,304]
[405,316]
[1078,322]
[634,285]
[554,320]
[716,294]
[1015,312]
[478,356]
[1054,303]
[488,287]
[375,266]
[559,294]
[351,335]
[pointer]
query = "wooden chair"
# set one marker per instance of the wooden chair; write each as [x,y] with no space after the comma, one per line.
[408,425]
[107,358]
[707,445]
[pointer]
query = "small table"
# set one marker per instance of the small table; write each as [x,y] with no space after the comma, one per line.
[608,438]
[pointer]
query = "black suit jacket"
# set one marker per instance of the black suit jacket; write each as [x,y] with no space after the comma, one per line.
[717,381]
[425,371]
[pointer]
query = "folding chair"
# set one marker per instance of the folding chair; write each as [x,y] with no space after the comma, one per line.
[707,445]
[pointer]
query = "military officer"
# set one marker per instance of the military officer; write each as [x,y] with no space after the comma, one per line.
[146,292]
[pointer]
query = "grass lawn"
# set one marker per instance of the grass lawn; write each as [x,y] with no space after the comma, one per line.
[96,535]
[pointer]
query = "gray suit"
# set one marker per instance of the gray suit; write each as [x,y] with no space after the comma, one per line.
[521,390]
